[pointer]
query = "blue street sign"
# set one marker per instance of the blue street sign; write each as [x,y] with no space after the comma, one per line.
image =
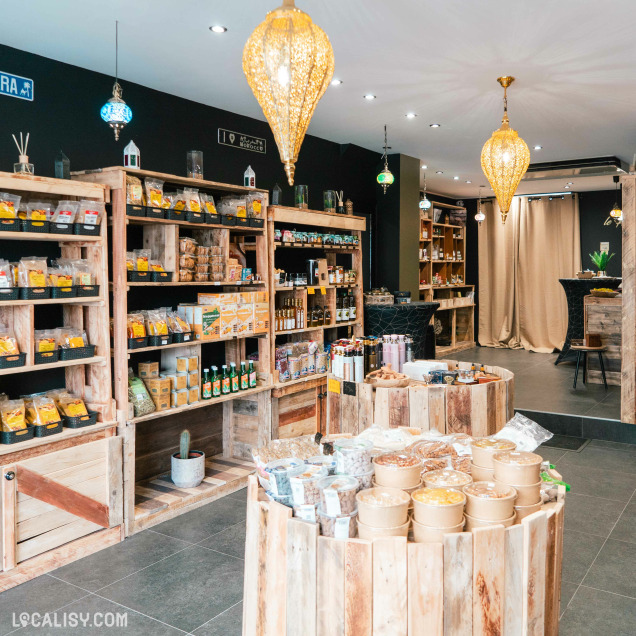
[16,86]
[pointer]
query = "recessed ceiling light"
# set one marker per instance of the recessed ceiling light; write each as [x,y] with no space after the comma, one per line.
[369,96]
[468,181]
[411,115]
[455,178]
[567,187]
[569,183]
[336,82]
[439,172]
[424,167]
[435,125]
[217,28]
[538,147]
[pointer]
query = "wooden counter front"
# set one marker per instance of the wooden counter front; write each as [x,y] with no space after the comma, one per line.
[604,316]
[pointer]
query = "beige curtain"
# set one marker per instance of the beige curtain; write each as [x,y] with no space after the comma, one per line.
[521,302]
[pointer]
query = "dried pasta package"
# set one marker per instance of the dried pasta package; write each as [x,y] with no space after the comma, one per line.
[207,203]
[65,212]
[179,202]
[45,410]
[8,343]
[130,261]
[136,325]
[38,211]
[45,340]
[33,271]
[9,205]
[142,260]
[6,275]
[90,212]
[168,200]
[134,191]
[71,405]
[13,415]
[156,266]
[71,338]
[154,192]
[82,273]
[193,203]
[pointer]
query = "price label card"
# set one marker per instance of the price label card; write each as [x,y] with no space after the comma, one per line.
[333,502]
[341,528]
[306,512]
[333,386]
[298,491]
[323,291]
[310,290]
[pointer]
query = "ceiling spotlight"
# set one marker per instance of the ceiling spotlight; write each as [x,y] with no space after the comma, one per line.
[538,147]
[439,172]
[549,198]
[411,115]
[435,125]
[468,181]
[217,28]
[455,178]
[336,82]
[369,96]
[567,187]
[569,183]
[424,167]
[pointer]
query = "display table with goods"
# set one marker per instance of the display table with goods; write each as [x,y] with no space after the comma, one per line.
[315,261]
[190,333]
[445,395]
[358,535]
[60,460]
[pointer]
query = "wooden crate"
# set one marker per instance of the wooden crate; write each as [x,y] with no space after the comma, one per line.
[604,316]
[490,581]
[481,409]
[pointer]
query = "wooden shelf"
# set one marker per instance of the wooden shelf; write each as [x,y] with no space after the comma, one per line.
[8,449]
[204,284]
[53,365]
[450,286]
[176,345]
[198,405]
[343,286]
[442,352]
[457,227]
[59,238]
[49,185]
[283,214]
[88,300]
[307,378]
[335,325]
[453,307]
[447,261]
[142,220]
[309,246]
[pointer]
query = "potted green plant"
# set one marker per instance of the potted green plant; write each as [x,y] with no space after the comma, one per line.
[188,466]
[601,259]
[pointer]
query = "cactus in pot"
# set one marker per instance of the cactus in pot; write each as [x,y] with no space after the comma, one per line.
[188,467]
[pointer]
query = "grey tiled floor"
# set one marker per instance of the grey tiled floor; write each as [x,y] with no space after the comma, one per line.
[185,576]
[540,386]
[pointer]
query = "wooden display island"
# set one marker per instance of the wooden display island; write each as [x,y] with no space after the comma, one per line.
[492,580]
[603,316]
[477,409]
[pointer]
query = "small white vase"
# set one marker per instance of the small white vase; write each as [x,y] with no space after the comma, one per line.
[188,473]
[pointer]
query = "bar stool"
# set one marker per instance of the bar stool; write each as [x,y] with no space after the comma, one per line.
[582,350]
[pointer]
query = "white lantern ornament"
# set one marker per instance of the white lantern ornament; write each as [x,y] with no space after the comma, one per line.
[132,156]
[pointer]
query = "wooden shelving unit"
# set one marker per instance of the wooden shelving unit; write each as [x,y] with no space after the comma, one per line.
[49,516]
[216,426]
[445,259]
[297,405]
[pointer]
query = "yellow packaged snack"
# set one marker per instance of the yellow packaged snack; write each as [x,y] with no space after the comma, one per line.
[134,191]
[72,406]
[9,204]
[136,326]
[45,341]
[154,192]
[168,198]
[193,203]
[207,203]
[130,261]
[13,415]
[141,260]
[46,411]
[179,202]
[156,266]
[156,323]
[72,338]
[32,271]
[38,211]
[8,343]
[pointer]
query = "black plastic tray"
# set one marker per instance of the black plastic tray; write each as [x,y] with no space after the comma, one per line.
[13,437]
[175,215]
[213,219]
[155,213]
[139,277]
[195,217]
[77,353]
[135,210]
[242,221]
[28,225]
[46,357]
[257,222]
[9,293]
[182,337]
[44,430]
[161,277]
[64,292]
[87,290]
[9,225]
[138,343]
[60,228]
[86,229]
[35,293]
[228,220]
[159,341]
[79,421]
[10,362]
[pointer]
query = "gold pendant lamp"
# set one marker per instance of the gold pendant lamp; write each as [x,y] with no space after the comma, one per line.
[288,62]
[505,158]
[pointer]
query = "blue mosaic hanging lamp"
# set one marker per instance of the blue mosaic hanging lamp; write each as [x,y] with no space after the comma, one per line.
[115,112]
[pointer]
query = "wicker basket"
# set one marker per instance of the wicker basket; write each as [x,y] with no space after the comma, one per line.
[378,299]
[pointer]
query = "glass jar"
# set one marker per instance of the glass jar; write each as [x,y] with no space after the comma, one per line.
[194,160]
[329,201]
[301,197]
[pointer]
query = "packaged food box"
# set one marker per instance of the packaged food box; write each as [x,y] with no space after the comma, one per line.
[207,322]
[181,381]
[179,398]
[245,298]
[193,394]
[193,363]
[182,364]
[228,320]
[162,402]
[173,380]
[148,370]
[244,318]
[260,297]
[158,386]
[260,318]
[193,378]
[217,299]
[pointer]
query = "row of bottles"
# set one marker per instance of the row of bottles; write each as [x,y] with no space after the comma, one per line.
[290,316]
[346,310]
[319,316]
[232,381]
[397,349]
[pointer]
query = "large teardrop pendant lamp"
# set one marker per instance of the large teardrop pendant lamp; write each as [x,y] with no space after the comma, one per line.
[505,158]
[288,62]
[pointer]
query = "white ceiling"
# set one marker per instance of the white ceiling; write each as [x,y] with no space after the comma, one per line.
[575,63]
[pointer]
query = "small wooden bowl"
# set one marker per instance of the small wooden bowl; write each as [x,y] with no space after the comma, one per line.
[603,294]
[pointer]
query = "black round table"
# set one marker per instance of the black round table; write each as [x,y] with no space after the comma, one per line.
[411,318]
[575,290]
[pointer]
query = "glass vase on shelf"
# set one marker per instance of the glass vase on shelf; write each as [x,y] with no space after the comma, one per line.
[194,160]
[329,201]
[301,197]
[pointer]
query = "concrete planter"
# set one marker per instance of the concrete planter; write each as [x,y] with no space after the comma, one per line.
[188,473]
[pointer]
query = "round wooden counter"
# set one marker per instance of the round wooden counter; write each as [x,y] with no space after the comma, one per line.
[489,581]
[474,409]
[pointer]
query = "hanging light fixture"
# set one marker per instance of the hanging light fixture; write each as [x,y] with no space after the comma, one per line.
[288,62]
[505,158]
[425,204]
[115,112]
[616,213]
[480,216]
[385,178]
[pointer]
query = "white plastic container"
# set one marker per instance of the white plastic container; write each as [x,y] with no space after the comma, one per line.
[338,494]
[353,456]
[280,471]
[328,461]
[304,485]
[344,526]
